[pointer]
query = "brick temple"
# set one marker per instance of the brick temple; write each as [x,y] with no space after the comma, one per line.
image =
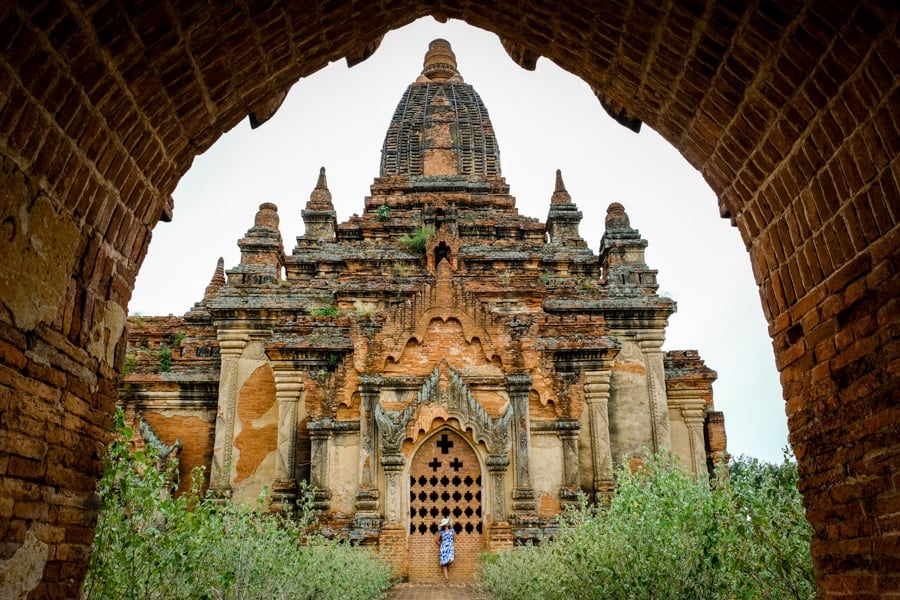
[439,354]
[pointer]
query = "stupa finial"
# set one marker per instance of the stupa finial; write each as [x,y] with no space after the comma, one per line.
[440,62]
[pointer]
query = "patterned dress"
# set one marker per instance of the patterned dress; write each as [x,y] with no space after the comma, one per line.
[447,552]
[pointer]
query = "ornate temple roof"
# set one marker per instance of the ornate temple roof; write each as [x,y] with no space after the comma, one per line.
[441,126]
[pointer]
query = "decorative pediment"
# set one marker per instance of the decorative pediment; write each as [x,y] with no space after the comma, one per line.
[469,333]
[456,402]
[445,301]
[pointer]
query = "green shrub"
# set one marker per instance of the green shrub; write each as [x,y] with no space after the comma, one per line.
[416,242]
[165,359]
[327,311]
[665,535]
[382,212]
[129,364]
[152,544]
[177,339]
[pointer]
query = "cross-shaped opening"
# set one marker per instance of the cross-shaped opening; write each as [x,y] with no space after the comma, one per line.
[444,444]
[456,463]
[435,464]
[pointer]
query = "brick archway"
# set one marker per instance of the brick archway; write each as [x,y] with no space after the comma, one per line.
[789,111]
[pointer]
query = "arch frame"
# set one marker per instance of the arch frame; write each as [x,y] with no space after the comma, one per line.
[790,115]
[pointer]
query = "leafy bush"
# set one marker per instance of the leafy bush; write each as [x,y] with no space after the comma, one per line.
[665,535]
[769,517]
[151,544]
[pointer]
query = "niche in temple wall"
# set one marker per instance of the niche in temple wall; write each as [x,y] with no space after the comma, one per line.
[546,471]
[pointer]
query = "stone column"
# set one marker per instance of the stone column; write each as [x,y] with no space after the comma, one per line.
[694,415]
[497,465]
[367,496]
[393,465]
[518,386]
[320,434]
[596,395]
[568,434]
[231,346]
[288,388]
[651,341]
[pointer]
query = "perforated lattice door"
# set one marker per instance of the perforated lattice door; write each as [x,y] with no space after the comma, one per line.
[445,480]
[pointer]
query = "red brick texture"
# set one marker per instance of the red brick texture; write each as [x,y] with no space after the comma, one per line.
[788,109]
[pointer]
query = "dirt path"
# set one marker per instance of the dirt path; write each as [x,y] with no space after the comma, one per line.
[436,591]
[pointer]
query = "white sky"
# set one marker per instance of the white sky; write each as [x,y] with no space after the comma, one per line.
[544,120]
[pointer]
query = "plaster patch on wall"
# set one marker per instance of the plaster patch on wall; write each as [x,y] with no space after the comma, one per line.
[544,440]
[343,476]
[106,331]
[42,244]
[249,489]
[23,571]
[268,418]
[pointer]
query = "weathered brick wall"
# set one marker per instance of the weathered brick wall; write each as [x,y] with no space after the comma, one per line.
[195,431]
[788,110]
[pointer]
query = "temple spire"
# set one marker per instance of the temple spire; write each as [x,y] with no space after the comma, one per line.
[320,198]
[319,216]
[560,195]
[218,279]
[564,217]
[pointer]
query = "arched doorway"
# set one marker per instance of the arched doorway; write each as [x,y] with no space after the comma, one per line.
[445,480]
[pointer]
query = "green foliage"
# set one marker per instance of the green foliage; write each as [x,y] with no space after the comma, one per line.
[131,361]
[152,544]
[770,520]
[177,339]
[165,359]
[587,285]
[665,535]
[382,212]
[416,242]
[327,311]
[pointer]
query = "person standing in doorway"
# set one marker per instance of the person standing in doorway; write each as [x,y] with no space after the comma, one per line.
[446,542]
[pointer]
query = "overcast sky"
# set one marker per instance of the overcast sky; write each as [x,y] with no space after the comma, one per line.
[544,120]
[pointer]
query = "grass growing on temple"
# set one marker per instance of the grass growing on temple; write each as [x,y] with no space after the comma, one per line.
[152,544]
[665,535]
